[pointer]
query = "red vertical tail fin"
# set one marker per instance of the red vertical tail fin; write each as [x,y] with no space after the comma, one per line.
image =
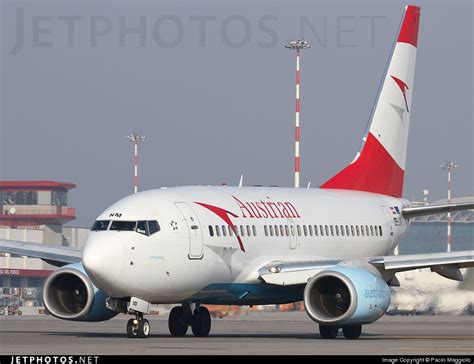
[380,166]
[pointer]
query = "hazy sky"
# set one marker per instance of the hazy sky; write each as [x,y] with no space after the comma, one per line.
[212,88]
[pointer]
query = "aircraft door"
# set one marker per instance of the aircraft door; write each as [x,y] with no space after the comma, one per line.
[194,230]
[389,226]
[293,235]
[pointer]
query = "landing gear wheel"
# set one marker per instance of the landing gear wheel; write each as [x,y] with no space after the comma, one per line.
[143,328]
[328,332]
[201,322]
[132,329]
[352,332]
[176,323]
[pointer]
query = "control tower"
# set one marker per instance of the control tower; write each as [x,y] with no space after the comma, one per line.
[31,204]
[33,211]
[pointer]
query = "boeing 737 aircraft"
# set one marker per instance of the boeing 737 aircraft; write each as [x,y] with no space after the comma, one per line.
[331,247]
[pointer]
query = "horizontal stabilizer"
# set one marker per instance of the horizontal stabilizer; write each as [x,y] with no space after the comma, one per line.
[409,212]
[400,263]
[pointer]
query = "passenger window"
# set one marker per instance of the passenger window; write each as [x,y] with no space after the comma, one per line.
[218,231]
[337,230]
[352,230]
[153,227]
[141,227]
[310,228]
[298,228]
[287,230]
[305,230]
[282,232]
[347,230]
[230,230]
[271,230]
[276,230]
[371,230]
[316,230]
[236,230]
[326,229]
[380,230]
[357,230]
[265,229]
[367,230]
[342,230]
[248,231]
[376,231]
[224,231]
[254,229]
[100,225]
[242,231]
[362,230]
[332,230]
[292,229]
[211,231]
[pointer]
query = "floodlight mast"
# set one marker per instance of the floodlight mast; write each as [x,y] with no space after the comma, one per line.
[450,167]
[297,45]
[135,138]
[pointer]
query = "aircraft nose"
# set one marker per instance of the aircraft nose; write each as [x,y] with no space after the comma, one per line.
[102,259]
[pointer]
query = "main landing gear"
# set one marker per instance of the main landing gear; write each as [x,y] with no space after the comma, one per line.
[350,332]
[182,317]
[138,327]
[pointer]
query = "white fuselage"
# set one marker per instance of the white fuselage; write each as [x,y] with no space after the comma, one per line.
[196,255]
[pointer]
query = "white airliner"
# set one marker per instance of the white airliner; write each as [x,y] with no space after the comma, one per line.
[331,247]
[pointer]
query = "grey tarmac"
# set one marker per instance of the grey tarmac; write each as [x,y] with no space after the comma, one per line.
[252,333]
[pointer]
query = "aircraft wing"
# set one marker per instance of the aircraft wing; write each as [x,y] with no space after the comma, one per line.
[292,273]
[52,254]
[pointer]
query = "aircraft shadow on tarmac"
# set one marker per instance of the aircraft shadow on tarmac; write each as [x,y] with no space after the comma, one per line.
[298,336]
[211,336]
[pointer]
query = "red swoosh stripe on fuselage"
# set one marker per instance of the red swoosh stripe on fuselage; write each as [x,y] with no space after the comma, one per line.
[224,215]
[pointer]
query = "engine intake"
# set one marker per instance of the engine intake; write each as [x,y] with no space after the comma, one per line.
[345,295]
[70,295]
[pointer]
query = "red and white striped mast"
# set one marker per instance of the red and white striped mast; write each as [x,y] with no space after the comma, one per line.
[450,167]
[297,45]
[135,138]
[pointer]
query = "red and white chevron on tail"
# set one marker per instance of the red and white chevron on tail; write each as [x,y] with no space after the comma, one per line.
[380,166]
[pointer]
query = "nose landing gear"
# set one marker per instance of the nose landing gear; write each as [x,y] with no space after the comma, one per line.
[138,327]
[182,317]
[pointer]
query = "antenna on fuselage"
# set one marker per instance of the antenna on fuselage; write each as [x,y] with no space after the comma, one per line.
[241,182]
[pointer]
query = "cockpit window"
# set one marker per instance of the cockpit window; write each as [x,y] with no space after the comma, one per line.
[141,227]
[153,227]
[100,225]
[123,225]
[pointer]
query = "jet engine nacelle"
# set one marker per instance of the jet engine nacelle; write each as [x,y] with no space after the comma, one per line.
[70,295]
[346,295]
